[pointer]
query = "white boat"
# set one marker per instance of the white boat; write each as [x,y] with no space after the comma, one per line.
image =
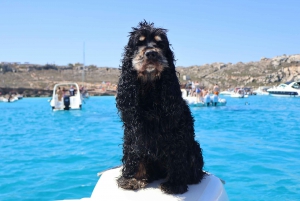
[261,91]
[106,189]
[9,100]
[208,100]
[288,89]
[69,101]
[239,93]
[226,92]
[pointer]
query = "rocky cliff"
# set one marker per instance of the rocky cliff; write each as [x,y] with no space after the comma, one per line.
[266,72]
[36,80]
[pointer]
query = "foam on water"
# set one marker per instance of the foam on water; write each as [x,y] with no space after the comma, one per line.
[49,155]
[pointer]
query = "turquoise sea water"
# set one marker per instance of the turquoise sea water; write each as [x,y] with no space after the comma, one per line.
[253,144]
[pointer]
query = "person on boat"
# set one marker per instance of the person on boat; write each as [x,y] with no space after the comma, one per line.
[216,89]
[72,91]
[198,93]
[58,98]
[81,89]
[203,92]
[64,91]
[193,89]
[59,93]
[187,88]
[9,97]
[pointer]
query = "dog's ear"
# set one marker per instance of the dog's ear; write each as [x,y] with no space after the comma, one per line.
[169,53]
[131,42]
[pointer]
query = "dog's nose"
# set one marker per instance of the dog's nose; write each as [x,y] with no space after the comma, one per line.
[151,54]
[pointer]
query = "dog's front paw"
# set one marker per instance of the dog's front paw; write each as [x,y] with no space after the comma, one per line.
[132,183]
[169,188]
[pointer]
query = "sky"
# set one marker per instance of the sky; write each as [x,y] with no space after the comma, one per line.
[200,31]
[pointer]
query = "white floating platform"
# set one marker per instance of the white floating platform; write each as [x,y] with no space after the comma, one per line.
[210,189]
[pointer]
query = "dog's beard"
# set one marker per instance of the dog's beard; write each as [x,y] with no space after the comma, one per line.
[149,69]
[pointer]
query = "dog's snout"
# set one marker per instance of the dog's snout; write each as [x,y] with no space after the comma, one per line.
[151,54]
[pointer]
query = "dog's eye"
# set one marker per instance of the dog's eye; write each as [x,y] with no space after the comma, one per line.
[142,38]
[157,38]
[160,44]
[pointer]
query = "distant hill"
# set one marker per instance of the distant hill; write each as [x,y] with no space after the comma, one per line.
[266,72]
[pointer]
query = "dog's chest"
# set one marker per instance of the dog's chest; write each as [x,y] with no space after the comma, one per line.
[152,148]
[150,101]
[152,123]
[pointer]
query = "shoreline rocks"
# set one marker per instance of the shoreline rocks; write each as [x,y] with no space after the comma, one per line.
[38,80]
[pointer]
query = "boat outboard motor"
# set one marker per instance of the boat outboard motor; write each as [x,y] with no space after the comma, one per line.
[67,102]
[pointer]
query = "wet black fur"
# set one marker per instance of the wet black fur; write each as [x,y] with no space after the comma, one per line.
[158,125]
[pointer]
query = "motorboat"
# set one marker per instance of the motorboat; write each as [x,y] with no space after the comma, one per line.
[226,92]
[10,99]
[239,93]
[70,99]
[288,89]
[261,91]
[210,188]
[206,101]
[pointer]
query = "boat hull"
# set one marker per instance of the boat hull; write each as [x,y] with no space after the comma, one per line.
[289,89]
[226,93]
[210,104]
[8,100]
[207,101]
[239,93]
[210,188]
[284,93]
[238,96]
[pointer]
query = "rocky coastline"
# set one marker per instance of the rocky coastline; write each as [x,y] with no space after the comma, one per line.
[32,80]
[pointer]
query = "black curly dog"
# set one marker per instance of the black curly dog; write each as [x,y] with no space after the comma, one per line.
[158,125]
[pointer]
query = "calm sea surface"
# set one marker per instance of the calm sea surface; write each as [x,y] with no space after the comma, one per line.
[253,144]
